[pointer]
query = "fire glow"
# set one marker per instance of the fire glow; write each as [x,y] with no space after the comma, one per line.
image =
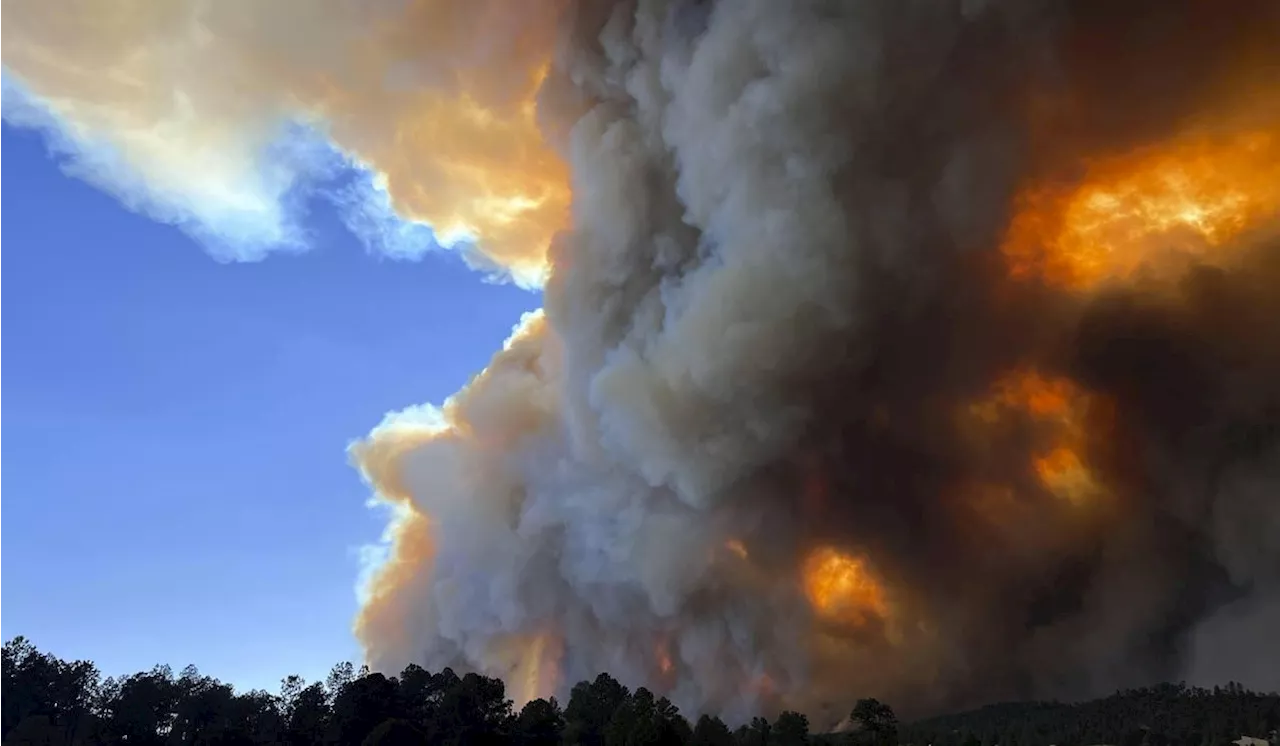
[841,589]
[1190,197]
[1057,407]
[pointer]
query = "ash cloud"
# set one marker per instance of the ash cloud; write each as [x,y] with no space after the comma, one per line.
[781,283]
[779,317]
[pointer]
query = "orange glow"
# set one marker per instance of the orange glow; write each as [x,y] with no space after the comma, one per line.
[1062,473]
[437,99]
[1058,406]
[737,547]
[538,672]
[1191,196]
[840,587]
[763,686]
[663,654]
[470,172]
[1027,390]
[413,555]
[533,670]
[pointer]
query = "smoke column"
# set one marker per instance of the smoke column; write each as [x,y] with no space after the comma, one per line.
[927,351]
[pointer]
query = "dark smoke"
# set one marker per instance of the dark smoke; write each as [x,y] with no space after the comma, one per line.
[784,323]
[920,142]
[784,286]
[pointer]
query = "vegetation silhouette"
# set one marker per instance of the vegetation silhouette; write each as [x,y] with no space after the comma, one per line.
[52,702]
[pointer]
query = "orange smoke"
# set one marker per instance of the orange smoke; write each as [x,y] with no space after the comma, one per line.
[841,588]
[538,673]
[437,99]
[1062,473]
[1058,408]
[490,177]
[507,399]
[1043,398]
[1188,197]
[662,652]
[412,554]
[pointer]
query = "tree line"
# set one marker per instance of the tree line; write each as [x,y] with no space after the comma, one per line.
[1161,715]
[47,701]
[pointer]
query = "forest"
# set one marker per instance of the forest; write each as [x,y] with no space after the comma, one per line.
[48,701]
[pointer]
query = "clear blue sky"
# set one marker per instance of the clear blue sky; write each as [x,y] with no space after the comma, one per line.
[175,487]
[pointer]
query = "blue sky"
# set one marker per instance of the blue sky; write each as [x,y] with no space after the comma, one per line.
[174,478]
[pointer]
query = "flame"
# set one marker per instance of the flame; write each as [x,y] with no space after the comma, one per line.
[1058,407]
[840,587]
[737,547]
[1192,196]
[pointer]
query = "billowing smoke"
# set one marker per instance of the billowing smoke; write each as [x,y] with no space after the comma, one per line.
[198,112]
[923,350]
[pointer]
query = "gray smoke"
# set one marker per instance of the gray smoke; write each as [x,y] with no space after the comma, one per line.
[783,281]
[830,398]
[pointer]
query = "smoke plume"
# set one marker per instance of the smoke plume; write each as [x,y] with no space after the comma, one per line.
[197,112]
[926,351]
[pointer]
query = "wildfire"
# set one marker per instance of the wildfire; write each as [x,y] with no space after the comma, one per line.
[538,670]
[763,686]
[840,587]
[1063,474]
[1027,390]
[1058,406]
[1190,197]
[662,651]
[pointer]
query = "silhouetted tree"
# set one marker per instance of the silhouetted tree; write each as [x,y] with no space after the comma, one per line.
[755,734]
[50,702]
[339,676]
[306,715]
[711,731]
[58,695]
[641,720]
[790,729]
[474,711]
[141,708]
[1168,714]
[202,709]
[540,723]
[415,694]
[396,732]
[591,708]
[361,704]
[877,721]
[256,714]
[35,730]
